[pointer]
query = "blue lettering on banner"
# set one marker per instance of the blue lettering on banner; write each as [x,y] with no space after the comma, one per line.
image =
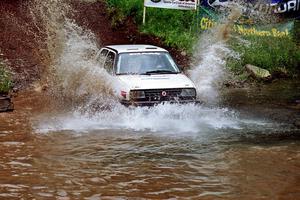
[275,6]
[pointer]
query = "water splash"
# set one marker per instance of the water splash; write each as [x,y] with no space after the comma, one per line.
[211,52]
[166,118]
[75,76]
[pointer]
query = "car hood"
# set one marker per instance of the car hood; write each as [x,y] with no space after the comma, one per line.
[156,81]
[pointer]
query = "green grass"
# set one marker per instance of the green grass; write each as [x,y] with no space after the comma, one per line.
[174,27]
[296,32]
[273,54]
[5,78]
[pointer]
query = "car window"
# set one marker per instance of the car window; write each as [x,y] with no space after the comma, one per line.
[102,56]
[140,63]
[109,62]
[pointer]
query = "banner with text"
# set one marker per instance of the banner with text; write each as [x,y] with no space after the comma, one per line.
[172,4]
[246,27]
[286,8]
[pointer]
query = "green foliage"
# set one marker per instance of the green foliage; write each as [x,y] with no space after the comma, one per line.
[5,79]
[296,31]
[273,54]
[173,26]
[119,10]
[129,7]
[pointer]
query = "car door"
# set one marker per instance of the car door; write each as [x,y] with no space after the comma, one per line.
[109,62]
[101,56]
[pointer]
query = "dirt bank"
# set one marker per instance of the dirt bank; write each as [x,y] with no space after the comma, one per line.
[21,41]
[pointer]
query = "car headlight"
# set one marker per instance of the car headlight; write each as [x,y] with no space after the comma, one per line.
[189,92]
[137,94]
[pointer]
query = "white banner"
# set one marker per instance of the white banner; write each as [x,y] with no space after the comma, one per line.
[172,4]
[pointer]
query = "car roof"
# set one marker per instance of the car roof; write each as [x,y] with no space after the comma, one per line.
[135,48]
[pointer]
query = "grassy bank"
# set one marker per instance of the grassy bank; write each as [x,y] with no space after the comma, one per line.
[174,27]
[278,55]
[5,78]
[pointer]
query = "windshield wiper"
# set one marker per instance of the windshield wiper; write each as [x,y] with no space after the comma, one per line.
[127,73]
[161,72]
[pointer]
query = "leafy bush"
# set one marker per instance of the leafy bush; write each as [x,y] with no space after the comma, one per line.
[5,79]
[119,10]
[269,53]
[173,26]
[296,31]
[129,7]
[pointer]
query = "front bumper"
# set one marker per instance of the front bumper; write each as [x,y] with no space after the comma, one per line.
[153,103]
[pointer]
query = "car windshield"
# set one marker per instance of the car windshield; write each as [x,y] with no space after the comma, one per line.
[146,63]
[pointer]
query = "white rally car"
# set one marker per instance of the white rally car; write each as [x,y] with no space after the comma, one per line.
[147,75]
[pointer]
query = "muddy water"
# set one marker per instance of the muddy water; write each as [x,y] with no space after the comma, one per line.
[46,155]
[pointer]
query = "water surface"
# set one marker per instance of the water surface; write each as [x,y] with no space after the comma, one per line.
[185,156]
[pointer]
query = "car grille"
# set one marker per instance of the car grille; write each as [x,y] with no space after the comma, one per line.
[157,95]
[163,95]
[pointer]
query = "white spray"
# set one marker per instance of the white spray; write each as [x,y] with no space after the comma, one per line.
[209,65]
[75,76]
